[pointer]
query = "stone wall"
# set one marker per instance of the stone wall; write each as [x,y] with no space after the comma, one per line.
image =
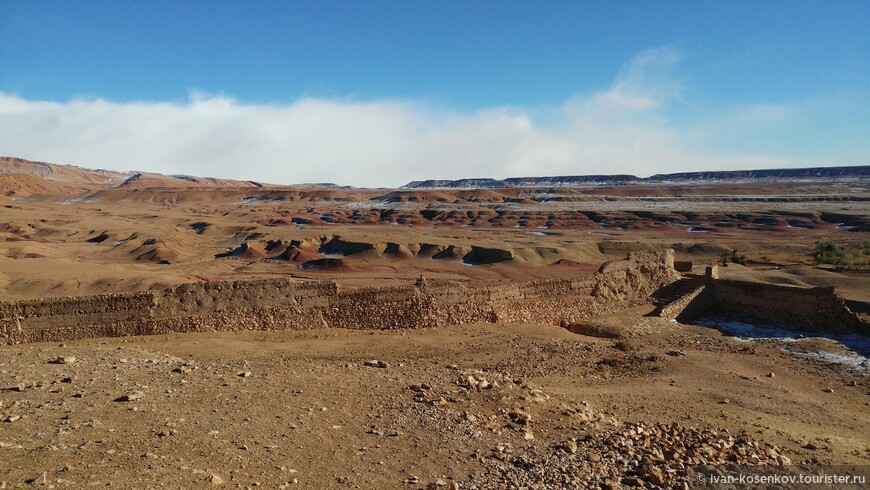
[286,304]
[692,304]
[818,308]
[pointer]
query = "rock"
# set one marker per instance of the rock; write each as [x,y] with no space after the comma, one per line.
[376,363]
[528,436]
[771,375]
[810,446]
[215,479]
[130,397]
[828,390]
[655,476]
[20,387]
[632,481]
[570,446]
[245,374]
[42,479]
[12,418]
[439,483]
[438,401]
[63,360]
[537,396]
[724,401]
[592,457]
[520,417]
[482,385]
[411,479]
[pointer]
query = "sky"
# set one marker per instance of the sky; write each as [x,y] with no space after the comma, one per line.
[379,93]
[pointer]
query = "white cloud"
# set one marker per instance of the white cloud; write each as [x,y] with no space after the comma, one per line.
[622,129]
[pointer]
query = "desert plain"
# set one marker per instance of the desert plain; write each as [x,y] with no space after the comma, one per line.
[622,397]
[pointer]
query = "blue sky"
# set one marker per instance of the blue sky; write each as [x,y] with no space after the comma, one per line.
[376,93]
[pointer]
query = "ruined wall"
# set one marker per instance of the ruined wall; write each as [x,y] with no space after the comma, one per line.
[692,304]
[818,308]
[285,304]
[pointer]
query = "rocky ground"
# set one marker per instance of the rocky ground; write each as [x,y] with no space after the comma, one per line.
[473,406]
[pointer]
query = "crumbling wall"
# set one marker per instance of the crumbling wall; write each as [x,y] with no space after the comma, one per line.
[818,307]
[692,304]
[285,304]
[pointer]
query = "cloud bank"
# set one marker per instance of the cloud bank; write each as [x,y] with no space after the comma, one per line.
[623,128]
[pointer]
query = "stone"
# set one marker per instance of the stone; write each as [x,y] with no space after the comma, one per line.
[130,397]
[376,363]
[828,390]
[520,417]
[245,374]
[63,360]
[570,446]
[771,375]
[482,385]
[537,396]
[632,481]
[810,446]
[592,457]
[215,479]
[12,418]
[655,476]
[42,479]
[724,401]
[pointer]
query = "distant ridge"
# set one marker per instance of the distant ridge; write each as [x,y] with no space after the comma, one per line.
[859,172]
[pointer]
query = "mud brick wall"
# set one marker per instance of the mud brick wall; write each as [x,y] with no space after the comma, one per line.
[88,309]
[818,308]
[380,308]
[285,304]
[690,305]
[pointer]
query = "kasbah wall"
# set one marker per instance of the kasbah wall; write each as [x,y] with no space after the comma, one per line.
[286,304]
[817,308]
